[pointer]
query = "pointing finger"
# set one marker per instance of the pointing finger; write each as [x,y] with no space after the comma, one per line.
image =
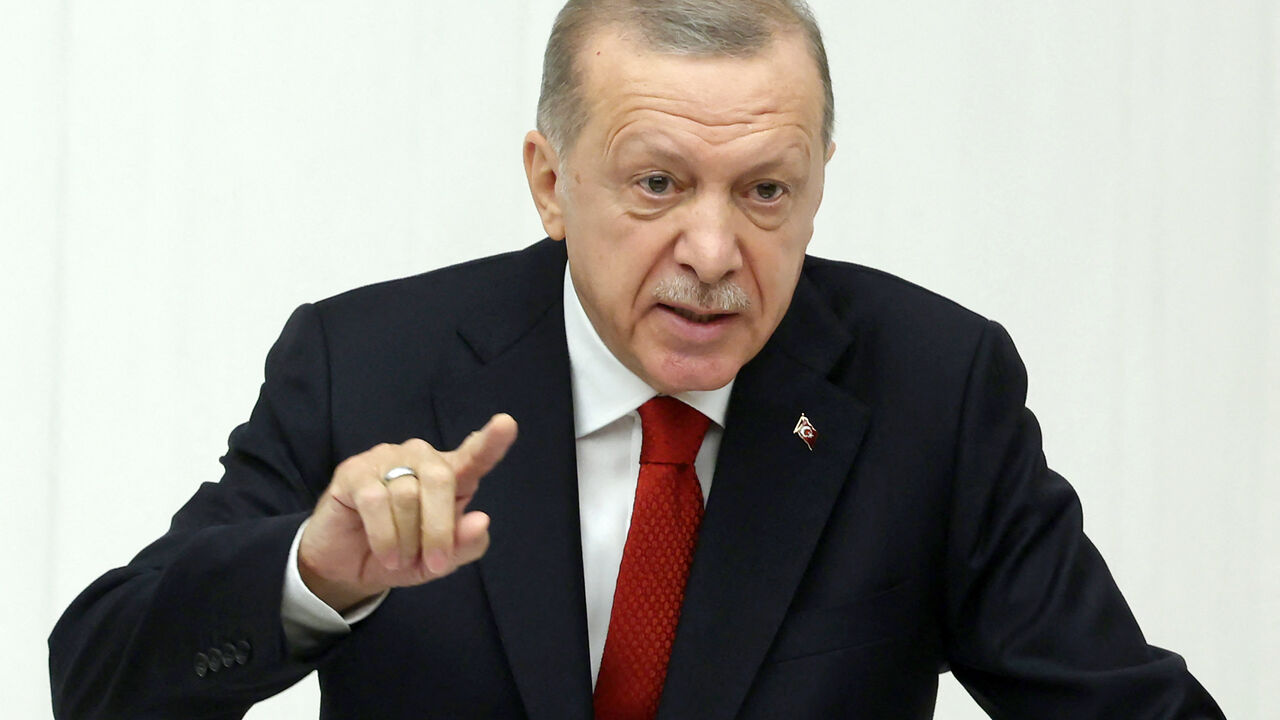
[480,451]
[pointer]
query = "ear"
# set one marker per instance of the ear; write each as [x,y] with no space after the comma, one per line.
[542,168]
[831,150]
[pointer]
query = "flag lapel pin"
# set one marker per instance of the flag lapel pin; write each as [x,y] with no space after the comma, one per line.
[806,431]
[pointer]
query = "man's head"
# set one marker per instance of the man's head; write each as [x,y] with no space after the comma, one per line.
[696,28]
[680,155]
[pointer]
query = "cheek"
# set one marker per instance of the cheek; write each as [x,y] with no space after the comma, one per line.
[775,264]
[640,255]
[618,274]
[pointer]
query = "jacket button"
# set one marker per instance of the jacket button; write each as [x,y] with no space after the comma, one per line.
[215,659]
[228,655]
[202,664]
[242,650]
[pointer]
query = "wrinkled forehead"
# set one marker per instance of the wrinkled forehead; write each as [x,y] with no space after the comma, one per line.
[780,82]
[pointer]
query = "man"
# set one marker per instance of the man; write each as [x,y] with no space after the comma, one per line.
[876,504]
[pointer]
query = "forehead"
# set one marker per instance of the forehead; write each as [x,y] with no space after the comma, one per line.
[720,99]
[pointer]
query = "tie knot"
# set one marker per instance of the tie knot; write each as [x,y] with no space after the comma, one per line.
[672,431]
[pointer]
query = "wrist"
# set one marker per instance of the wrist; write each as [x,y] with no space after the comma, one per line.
[338,595]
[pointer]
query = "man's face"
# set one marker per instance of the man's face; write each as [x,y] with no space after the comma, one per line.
[692,177]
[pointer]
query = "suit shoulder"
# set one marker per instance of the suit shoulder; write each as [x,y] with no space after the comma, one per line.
[911,350]
[479,281]
[420,317]
[865,297]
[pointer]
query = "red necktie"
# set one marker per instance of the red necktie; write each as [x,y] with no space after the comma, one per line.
[655,563]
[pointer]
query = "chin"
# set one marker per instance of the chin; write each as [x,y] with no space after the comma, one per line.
[677,375]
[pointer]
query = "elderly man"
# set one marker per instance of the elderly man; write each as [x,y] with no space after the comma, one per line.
[877,507]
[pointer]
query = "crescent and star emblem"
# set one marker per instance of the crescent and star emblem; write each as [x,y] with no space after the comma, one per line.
[806,431]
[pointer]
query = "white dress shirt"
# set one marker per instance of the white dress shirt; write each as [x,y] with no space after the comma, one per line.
[608,434]
[607,428]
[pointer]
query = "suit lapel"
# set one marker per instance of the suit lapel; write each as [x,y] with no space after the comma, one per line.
[770,500]
[532,572]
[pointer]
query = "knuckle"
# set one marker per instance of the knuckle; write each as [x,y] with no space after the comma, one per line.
[351,466]
[355,468]
[342,467]
[437,475]
[369,496]
[417,446]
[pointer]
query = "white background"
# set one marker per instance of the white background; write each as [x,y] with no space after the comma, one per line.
[1102,176]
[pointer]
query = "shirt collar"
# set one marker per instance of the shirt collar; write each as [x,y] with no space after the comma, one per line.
[603,388]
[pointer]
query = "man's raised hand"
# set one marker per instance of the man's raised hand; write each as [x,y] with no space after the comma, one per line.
[368,534]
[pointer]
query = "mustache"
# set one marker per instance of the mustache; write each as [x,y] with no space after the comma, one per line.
[725,296]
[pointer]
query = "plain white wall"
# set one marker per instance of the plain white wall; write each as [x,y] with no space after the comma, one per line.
[1102,176]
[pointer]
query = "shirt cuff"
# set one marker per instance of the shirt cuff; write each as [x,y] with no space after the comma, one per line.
[309,622]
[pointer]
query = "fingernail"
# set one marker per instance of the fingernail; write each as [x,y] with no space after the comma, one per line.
[437,561]
[392,562]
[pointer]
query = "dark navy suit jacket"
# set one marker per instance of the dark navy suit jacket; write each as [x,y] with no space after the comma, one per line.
[923,530]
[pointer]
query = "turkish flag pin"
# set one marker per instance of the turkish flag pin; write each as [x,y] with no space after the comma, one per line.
[806,431]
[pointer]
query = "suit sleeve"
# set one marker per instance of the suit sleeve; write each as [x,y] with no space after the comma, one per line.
[1038,628]
[191,627]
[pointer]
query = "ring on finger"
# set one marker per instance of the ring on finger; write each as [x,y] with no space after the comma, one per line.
[398,472]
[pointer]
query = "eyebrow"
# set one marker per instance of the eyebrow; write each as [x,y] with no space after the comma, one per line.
[783,159]
[666,154]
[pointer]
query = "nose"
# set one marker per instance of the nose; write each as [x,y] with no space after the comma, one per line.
[708,244]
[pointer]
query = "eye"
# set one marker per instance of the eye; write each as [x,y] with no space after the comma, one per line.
[768,191]
[656,184]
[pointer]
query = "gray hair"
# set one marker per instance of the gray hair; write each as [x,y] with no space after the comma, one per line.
[702,28]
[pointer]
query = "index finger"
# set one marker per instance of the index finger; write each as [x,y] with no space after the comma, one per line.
[480,451]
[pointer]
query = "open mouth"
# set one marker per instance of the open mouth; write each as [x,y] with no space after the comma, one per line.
[692,316]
